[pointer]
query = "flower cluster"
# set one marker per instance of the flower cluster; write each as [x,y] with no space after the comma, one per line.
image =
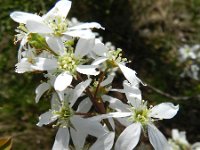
[190,56]
[79,70]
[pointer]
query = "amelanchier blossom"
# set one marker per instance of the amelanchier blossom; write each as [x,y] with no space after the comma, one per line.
[139,117]
[180,142]
[79,72]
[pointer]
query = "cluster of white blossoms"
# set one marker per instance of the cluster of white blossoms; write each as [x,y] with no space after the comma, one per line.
[180,142]
[190,55]
[79,71]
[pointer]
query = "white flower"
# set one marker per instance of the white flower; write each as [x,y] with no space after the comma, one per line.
[180,142]
[137,116]
[186,52]
[71,124]
[113,58]
[54,22]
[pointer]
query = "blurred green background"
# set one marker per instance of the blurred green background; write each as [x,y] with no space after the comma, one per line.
[149,32]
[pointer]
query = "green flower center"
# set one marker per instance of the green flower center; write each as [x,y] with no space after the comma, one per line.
[68,62]
[64,115]
[140,114]
[58,24]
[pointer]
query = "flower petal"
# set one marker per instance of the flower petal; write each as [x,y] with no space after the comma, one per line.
[43,64]
[86,34]
[86,26]
[22,17]
[129,74]
[87,69]
[37,27]
[116,104]
[164,111]
[78,90]
[104,142]
[108,80]
[157,139]
[100,49]
[56,44]
[129,138]
[62,139]
[40,90]
[62,81]
[83,47]
[99,60]
[46,118]
[85,105]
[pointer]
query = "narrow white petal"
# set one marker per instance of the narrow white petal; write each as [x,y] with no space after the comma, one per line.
[129,74]
[104,142]
[62,81]
[62,139]
[46,118]
[85,105]
[157,139]
[78,138]
[86,34]
[87,69]
[99,60]
[22,17]
[43,64]
[196,146]
[164,111]
[111,115]
[56,44]
[100,49]
[86,26]
[40,90]
[63,7]
[23,66]
[115,103]
[90,126]
[37,27]
[129,138]
[108,80]
[83,47]
[78,90]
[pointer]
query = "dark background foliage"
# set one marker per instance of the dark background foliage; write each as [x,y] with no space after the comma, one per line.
[149,32]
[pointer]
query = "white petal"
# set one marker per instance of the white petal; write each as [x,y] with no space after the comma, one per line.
[115,103]
[78,138]
[86,26]
[83,47]
[196,146]
[157,139]
[85,105]
[129,74]
[22,17]
[86,34]
[78,90]
[62,81]
[87,69]
[129,138]
[63,7]
[37,27]
[56,45]
[104,142]
[62,139]
[46,118]
[43,64]
[164,111]
[133,94]
[99,60]
[108,80]
[111,115]
[40,90]
[90,126]
[23,66]
[100,49]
